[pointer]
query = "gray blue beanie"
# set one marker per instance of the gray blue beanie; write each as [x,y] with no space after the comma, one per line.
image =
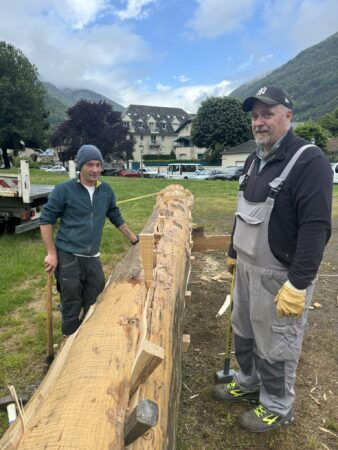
[88,153]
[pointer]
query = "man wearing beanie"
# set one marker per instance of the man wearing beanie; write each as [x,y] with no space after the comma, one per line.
[82,206]
[282,224]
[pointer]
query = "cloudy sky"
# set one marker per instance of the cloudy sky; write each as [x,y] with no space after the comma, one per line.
[162,52]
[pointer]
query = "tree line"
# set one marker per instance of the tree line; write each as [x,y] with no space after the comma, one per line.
[219,124]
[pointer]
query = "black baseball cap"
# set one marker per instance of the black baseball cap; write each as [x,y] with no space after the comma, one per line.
[270,95]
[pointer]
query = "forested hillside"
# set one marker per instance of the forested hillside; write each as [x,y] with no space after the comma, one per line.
[311,79]
[59,100]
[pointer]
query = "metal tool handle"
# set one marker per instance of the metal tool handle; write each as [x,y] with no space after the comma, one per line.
[49,317]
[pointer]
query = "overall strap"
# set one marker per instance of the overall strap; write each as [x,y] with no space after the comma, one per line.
[243,179]
[278,182]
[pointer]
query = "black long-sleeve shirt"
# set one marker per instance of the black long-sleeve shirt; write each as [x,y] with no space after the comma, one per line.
[300,223]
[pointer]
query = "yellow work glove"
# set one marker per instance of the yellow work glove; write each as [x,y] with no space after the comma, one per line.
[231,263]
[290,301]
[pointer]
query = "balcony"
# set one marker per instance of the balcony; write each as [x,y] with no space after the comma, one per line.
[153,144]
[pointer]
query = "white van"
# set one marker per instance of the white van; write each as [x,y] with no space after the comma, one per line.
[183,171]
[335,172]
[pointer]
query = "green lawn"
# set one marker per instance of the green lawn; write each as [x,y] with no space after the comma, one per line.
[22,277]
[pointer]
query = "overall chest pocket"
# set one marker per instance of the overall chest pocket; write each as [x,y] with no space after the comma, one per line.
[247,233]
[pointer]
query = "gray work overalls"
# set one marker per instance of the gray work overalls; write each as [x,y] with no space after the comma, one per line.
[267,348]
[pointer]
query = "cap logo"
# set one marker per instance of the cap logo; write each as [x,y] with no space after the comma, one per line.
[286,100]
[262,91]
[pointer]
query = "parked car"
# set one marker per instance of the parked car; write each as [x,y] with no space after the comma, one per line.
[201,175]
[230,173]
[215,174]
[128,173]
[57,169]
[147,172]
[46,167]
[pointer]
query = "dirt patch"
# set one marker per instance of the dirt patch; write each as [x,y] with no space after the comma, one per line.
[205,424]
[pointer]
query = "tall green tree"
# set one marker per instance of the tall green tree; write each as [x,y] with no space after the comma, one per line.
[311,131]
[23,117]
[220,123]
[93,123]
[330,122]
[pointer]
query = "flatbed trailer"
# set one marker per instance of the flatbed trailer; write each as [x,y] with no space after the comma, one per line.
[21,203]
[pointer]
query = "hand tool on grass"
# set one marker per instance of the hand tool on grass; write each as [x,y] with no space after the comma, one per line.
[49,316]
[226,374]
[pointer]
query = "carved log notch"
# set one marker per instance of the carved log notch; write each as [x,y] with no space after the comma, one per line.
[83,401]
[166,297]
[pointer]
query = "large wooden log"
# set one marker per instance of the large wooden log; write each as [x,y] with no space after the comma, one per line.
[83,401]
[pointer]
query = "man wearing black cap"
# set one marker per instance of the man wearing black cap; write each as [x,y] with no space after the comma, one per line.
[282,224]
[82,206]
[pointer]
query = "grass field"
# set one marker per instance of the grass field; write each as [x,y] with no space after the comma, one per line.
[22,278]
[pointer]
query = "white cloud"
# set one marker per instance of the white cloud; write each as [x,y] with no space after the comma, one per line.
[216,17]
[182,78]
[317,20]
[135,9]
[162,87]
[91,58]
[80,12]
[245,65]
[265,58]
[300,24]
[187,97]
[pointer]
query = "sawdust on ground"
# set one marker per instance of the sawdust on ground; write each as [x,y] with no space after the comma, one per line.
[204,424]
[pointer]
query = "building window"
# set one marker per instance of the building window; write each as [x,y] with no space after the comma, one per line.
[140,124]
[153,139]
[141,137]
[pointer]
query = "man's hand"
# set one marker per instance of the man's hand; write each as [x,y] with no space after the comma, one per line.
[290,301]
[231,263]
[135,241]
[50,262]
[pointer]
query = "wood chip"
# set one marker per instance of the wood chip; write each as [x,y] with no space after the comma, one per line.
[222,275]
[325,446]
[317,305]
[193,396]
[313,389]
[204,278]
[325,397]
[328,431]
[314,399]
[187,388]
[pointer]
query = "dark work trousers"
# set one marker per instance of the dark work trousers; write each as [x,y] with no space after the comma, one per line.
[80,280]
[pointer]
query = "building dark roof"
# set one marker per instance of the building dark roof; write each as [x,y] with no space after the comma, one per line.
[245,147]
[166,120]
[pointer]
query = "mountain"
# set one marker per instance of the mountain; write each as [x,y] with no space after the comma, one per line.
[311,80]
[58,100]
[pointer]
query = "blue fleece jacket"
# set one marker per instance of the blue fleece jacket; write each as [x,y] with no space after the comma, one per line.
[81,220]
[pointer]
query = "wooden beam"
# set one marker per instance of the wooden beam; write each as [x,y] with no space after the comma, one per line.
[211,242]
[185,343]
[143,417]
[150,356]
[147,256]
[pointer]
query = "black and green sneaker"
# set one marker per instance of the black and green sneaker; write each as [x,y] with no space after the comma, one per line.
[231,393]
[261,419]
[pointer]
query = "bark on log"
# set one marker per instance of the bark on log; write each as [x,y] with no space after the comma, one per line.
[83,401]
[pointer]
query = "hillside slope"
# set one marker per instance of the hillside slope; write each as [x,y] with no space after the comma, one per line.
[58,100]
[311,80]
